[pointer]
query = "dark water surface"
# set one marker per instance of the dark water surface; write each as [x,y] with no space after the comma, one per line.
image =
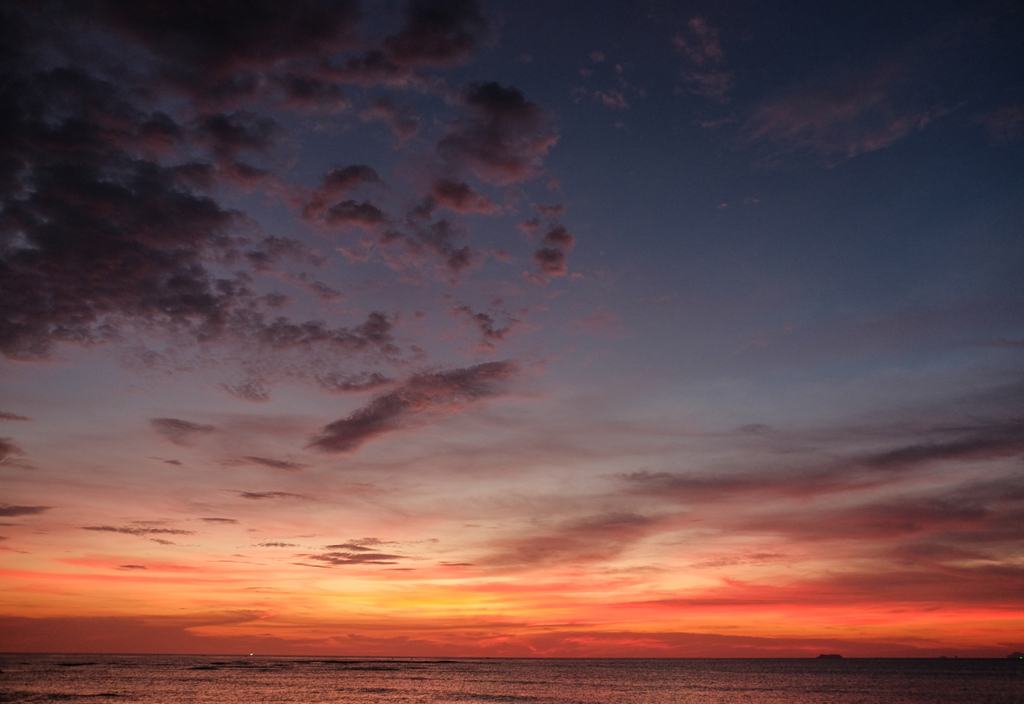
[237,680]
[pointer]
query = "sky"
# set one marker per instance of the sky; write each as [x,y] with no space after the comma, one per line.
[610,329]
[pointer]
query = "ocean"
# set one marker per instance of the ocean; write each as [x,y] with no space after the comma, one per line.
[236,680]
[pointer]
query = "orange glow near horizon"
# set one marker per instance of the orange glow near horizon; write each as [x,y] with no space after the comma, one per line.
[596,586]
[498,328]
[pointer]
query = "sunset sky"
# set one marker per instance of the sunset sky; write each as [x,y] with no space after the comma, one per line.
[512,328]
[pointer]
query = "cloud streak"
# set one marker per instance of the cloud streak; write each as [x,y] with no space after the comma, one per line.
[143,531]
[843,116]
[178,431]
[425,394]
[11,511]
[12,416]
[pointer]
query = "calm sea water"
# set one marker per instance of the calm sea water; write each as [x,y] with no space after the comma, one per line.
[226,680]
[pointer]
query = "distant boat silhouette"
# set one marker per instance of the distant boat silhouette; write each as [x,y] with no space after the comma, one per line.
[830,656]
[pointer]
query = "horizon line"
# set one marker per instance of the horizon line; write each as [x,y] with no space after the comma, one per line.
[1008,656]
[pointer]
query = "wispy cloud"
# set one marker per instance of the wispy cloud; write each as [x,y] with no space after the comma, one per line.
[813,476]
[593,538]
[429,393]
[270,495]
[179,431]
[139,530]
[272,463]
[1005,124]
[12,416]
[10,510]
[491,331]
[704,73]
[844,114]
[8,449]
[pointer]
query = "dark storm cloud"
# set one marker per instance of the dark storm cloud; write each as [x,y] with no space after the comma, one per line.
[178,431]
[430,392]
[502,139]
[8,510]
[12,416]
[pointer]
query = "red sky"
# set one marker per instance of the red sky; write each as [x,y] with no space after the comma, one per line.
[511,329]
